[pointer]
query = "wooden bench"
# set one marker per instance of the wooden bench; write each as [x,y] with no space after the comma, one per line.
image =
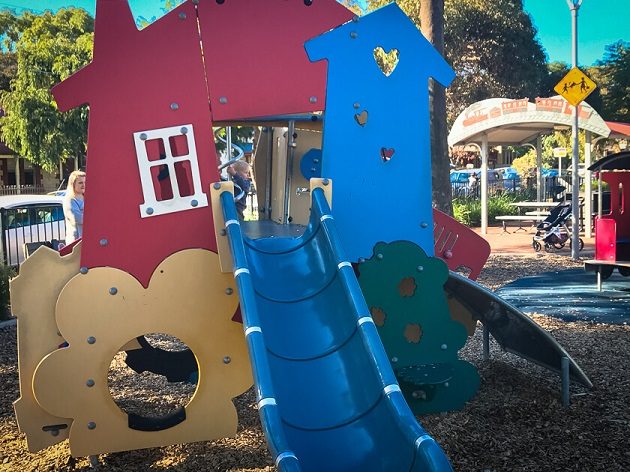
[520,220]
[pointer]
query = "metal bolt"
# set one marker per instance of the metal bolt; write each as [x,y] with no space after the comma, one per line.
[325,182]
[379,256]
[444,347]
[182,16]
[91,425]
[313,99]
[313,169]
[83,270]
[113,291]
[354,35]
[229,291]
[316,161]
[90,382]
[227,360]
[355,19]
[194,203]
[394,359]
[149,211]
[446,384]
[174,106]
[357,105]
[195,2]
[223,100]
[103,242]
[223,232]
[143,136]
[54,432]
[361,260]
[91,340]
[448,254]
[424,224]
[419,268]
[216,186]
[183,130]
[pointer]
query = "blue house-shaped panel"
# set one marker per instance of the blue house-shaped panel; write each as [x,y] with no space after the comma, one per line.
[376,130]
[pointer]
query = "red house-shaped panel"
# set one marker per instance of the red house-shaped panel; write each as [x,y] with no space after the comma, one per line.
[255,57]
[138,81]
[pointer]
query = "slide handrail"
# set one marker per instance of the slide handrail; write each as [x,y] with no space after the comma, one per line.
[239,151]
[428,452]
[284,458]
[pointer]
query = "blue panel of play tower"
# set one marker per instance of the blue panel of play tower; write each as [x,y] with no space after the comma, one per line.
[376,144]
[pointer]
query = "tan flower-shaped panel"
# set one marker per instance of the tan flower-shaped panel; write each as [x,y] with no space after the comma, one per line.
[98,312]
[34,295]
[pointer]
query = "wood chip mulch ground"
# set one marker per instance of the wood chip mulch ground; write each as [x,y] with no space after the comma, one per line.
[515,423]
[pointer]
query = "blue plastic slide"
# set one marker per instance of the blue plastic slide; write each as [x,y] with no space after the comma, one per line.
[327,395]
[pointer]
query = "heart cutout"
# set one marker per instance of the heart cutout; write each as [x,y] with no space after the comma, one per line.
[386,61]
[361,118]
[386,154]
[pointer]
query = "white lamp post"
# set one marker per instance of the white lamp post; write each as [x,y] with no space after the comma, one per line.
[574,6]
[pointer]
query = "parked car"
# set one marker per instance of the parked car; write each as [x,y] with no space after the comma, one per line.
[29,219]
[511,179]
[549,172]
[461,184]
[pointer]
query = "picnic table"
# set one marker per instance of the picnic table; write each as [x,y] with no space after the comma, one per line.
[520,219]
[540,206]
[540,213]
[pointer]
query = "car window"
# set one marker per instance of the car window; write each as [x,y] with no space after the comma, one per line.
[17,217]
[48,215]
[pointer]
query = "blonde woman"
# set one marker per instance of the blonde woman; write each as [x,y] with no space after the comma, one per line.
[73,206]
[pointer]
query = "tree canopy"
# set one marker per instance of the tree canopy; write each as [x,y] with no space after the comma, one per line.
[48,48]
[492,47]
[613,77]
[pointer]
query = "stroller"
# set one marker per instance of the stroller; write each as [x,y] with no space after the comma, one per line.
[553,232]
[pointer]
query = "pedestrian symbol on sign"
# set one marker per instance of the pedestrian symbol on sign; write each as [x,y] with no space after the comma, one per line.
[575,86]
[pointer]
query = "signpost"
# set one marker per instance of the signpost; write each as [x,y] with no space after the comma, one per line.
[575,86]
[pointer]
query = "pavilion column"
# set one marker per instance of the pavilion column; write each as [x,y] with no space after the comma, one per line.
[539,180]
[484,184]
[18,175]
[588,190]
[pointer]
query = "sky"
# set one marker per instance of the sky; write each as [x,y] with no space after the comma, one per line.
[600,22]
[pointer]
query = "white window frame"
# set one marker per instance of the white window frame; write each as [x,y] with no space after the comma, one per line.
[152,206]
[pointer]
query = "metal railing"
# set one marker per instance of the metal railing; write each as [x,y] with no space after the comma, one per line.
[22,190]
[553,188]
[29,224]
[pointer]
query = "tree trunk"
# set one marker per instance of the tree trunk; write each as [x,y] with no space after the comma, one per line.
[432,21]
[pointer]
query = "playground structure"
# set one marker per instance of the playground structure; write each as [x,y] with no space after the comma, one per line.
[175,259]
[612,230]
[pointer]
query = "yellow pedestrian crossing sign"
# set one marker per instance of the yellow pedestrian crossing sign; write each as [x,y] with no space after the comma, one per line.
[575,86]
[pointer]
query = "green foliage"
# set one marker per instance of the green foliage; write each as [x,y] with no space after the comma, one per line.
[6,273]
[468,210]
[614,82]
[525,163]
[492,47]
[49,48]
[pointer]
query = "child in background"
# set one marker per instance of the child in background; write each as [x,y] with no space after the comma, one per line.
[240,174]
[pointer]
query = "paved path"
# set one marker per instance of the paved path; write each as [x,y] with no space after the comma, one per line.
[521,242]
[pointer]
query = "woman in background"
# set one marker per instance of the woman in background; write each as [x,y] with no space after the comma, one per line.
[73,206]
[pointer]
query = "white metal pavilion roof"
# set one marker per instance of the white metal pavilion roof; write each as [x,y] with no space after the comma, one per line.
[507,121]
